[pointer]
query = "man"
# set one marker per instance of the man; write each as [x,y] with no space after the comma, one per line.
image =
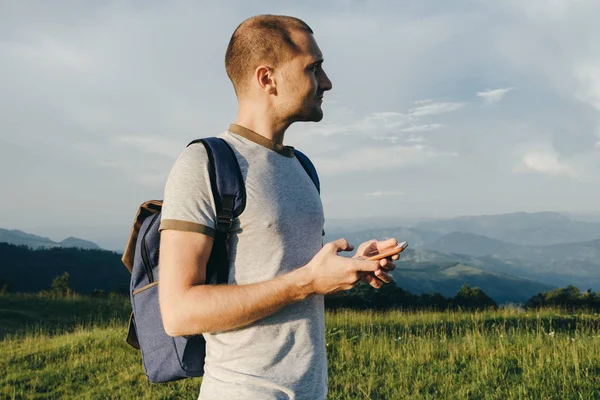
[265,329]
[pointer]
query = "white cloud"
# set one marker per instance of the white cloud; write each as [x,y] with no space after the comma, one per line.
[83,74]
[493,96]
[377,158]
[423,128]
[377,121]
[545,162]
[434,109]
[384,193]
[421,102]
[386,120]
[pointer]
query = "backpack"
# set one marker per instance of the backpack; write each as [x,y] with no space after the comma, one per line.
[167,358]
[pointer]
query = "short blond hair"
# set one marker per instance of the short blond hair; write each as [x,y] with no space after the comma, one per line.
[260,39]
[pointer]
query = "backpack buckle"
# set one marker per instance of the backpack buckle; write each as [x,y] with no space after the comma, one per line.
[224,223]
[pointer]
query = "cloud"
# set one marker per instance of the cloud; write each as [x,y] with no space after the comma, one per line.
[421,102]
[434,109]
[386,120]
[384,193]
[493,96]
[378,158]
[87,74]
[423,128]
[389,121]
[545,162]
[377,121]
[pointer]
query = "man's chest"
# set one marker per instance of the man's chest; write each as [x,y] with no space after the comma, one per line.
[283,200]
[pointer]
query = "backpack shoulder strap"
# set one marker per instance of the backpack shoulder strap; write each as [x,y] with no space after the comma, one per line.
[229,193]
[227,183]
[309,168]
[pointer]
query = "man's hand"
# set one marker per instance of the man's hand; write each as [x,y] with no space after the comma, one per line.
[371,248]
[329,272]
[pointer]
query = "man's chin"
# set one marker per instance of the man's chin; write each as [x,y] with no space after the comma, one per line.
[315,115]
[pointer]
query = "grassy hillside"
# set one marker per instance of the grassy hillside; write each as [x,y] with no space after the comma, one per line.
[74,348]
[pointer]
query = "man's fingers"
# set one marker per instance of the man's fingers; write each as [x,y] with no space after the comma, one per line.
[384,244]
[384,276]
[387,264]
[340,245]
[366,266]
[373,281]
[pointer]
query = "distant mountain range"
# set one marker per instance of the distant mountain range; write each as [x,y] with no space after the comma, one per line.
[511,257]
[537,229]
[446,277]
[20,238]
[517,252]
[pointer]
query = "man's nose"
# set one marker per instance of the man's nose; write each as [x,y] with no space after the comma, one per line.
[325,84]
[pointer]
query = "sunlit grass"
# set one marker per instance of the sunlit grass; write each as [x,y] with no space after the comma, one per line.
[75,348]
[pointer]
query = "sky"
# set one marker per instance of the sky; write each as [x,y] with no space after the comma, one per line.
[437,109]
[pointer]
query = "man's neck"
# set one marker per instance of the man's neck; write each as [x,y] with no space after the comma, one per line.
[272,130]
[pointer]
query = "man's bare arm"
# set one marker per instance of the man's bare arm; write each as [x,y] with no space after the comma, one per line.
[189,307]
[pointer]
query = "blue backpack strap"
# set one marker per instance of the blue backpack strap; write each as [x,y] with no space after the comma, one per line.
[309,168]
[229,193]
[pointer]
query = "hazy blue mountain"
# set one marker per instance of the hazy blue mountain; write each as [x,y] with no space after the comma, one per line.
[334,225]
[591,216]
[415,237]
[558,265]
[20,238]
[80,243]
[472,244]
[447,278]
[542,228]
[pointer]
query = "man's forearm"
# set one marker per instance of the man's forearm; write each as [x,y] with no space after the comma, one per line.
[212,308]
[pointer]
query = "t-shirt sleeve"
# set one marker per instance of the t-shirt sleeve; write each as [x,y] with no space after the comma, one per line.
[188,201]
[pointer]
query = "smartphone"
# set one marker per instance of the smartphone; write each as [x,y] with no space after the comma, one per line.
[389,252]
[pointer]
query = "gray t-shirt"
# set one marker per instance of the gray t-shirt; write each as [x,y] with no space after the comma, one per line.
[281,356]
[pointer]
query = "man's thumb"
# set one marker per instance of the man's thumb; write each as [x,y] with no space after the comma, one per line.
[341,245]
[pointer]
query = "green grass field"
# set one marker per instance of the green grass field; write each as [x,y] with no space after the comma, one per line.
[74,348]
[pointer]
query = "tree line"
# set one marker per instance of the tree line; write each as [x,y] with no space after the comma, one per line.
[570,298]
[64,271]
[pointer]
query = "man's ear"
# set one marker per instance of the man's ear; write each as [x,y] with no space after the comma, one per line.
[265,78]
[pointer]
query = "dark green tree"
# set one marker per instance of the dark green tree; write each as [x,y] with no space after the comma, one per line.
[5,286]
[60,285]
[473,299]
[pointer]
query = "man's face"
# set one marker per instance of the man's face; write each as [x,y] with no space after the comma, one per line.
[302,82]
